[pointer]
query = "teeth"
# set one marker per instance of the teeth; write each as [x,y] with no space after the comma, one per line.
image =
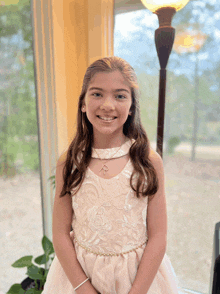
[107,118]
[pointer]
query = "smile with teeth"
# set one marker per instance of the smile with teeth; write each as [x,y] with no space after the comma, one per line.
[107,118]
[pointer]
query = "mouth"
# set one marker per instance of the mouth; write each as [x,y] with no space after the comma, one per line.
[107,119]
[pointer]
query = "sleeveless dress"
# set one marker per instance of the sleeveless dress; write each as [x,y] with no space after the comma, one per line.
[109,235]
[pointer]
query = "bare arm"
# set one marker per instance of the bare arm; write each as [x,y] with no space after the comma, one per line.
[63,244]
[157,234]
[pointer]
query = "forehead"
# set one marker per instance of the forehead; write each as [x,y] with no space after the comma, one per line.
[107,80]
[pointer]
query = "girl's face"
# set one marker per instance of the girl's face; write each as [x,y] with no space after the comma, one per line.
[107,103]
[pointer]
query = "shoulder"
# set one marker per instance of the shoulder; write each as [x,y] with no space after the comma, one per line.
[157,163]
[62,159]
[155,159]
[60,177]
[59,170]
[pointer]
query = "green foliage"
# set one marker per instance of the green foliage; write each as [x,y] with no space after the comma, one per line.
[16,288]
[23,261]
[42,259]
[30,155]
[33,291]
[47,246]
[15,150]
[52,180]
[7,164]
[34,272]
[172,143]
[18,118]
[180,100]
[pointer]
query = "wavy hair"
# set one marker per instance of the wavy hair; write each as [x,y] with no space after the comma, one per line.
[77,160]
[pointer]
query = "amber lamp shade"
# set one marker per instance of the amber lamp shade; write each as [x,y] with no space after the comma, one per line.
[154,5]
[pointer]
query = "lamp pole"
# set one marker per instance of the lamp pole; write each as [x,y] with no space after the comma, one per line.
[164,38]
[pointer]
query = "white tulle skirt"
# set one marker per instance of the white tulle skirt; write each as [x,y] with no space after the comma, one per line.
[111,274]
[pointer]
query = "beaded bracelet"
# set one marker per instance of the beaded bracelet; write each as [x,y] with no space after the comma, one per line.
[81,284]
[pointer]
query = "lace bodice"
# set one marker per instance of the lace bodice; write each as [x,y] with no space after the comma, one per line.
[108,217]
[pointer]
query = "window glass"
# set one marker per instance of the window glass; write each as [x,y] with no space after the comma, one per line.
[21,216]
[192,127]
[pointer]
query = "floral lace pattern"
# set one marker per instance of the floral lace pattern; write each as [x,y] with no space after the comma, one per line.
[108,217]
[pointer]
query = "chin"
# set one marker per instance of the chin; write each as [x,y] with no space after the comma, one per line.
[107,131]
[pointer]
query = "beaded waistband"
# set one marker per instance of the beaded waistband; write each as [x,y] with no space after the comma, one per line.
[108,254]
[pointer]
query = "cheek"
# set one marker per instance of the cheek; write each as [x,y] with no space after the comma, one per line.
[127,109]
[91,108]
[90,105]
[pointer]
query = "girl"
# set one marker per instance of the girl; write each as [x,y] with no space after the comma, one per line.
[110,188]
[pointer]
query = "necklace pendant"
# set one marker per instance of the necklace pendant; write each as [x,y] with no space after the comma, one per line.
[104,168]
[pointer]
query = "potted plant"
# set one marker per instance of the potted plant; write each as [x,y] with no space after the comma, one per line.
[37,275]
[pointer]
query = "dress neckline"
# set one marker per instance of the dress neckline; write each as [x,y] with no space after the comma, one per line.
[108,153]
[114,177]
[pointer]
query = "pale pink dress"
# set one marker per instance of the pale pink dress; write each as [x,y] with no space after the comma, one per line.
[110,234]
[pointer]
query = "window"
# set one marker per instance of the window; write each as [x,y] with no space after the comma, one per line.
[192,122]
[21,219]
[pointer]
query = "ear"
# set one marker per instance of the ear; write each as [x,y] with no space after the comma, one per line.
[83,108]
[130,112]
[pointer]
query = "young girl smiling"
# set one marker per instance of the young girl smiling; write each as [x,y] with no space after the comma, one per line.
[110,189]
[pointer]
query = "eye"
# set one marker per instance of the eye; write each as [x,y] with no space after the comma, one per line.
[121,96]
[96,94]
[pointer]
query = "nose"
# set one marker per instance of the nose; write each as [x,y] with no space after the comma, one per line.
[107,104]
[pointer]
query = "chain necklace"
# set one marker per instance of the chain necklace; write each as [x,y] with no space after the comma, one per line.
[105,167]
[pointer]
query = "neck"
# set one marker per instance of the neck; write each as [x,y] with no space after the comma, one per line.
[109,142]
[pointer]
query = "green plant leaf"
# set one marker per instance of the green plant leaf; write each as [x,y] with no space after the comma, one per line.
[47,246]
[23,261]
[46,272]
[45,276]
[34,272]
[42,259]
[16,289]
[33,291]
[41,271]
[53,181]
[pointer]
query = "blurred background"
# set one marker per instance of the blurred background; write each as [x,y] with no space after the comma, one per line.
[191,143]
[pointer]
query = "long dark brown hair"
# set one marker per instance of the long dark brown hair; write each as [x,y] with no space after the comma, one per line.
[77,160]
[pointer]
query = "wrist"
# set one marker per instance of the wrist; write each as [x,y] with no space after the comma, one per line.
[86,288]
[81,284]
[133,291]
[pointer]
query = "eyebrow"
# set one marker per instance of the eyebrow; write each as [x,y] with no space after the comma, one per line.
[116,90]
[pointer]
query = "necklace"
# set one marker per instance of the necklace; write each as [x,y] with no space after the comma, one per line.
[109,153]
